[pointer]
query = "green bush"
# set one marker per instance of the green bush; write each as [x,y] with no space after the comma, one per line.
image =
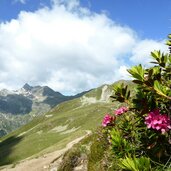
[139,133]
[135,164]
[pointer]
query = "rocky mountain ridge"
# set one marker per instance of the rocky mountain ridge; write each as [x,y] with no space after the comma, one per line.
[18,107]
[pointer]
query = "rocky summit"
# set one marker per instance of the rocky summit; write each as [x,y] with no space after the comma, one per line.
[18,107]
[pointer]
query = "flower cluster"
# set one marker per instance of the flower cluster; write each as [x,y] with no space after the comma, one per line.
[121,110]
[108,120]
[158,121]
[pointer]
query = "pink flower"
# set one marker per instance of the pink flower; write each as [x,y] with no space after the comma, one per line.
[107,120]
[160,122]
[121,110]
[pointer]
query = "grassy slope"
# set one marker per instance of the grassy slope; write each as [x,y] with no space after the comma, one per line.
[37,137]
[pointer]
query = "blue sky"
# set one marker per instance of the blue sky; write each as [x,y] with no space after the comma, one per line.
[150,18]
[75,45]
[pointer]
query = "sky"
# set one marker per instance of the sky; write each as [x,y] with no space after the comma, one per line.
[73,46]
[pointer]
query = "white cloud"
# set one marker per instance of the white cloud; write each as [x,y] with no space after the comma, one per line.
[141,52]
[67,47]
[123,73]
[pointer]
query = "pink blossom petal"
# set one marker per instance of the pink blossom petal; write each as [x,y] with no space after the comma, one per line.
[158,121]
[121,110]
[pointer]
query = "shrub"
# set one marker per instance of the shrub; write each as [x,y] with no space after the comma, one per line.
[140,130]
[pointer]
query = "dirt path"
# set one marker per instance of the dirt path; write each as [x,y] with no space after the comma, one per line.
[48,162]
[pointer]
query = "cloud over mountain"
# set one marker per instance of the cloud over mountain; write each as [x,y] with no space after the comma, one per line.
[68,48]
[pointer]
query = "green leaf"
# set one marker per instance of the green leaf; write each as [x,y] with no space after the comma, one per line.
[117,87]
[169,36]
[154,62]
[163,60]
[150,72]
[135,164]
[128,94]
[161,90]
[137,72]
[138,82]
[155,54]
[168,42]
[156,70]
[121,92]
[124,90]
[128,164]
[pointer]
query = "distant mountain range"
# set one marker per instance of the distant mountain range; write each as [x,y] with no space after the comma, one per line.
[18,107]
[53,130]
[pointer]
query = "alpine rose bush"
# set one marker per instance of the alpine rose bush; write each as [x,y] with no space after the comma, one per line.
[143,129]
[160,122]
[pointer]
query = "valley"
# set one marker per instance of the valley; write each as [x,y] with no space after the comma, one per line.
[54,130]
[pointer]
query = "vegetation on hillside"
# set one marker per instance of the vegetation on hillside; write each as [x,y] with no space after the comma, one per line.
[139,132]
[55,129]
[137,136]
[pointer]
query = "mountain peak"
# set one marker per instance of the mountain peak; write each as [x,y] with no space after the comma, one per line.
[48,91]
[27,87]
